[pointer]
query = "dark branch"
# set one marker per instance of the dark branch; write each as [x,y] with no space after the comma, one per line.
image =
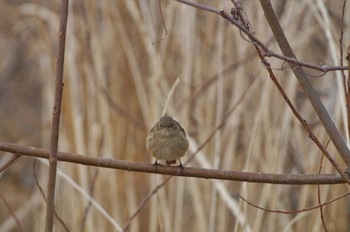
[50,206]
[288,179]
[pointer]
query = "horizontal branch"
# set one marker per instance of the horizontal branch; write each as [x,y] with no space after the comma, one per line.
[288,179]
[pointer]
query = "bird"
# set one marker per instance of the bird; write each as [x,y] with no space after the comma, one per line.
[167,141]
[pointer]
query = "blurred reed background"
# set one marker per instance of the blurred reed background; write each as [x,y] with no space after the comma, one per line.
[116,86]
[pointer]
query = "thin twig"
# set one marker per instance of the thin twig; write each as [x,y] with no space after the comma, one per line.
[14,157]
[88,207]
[163,24]
[18,222]
[144,202]
[319,192]
[294,211]
[319,199]
[341,46]
[50,206]
[341,56]
[44,197]
[122,112]
[37,181]
[210,80]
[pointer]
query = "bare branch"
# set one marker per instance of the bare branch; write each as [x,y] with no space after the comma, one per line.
[8,163]
[288,179]
[50,206]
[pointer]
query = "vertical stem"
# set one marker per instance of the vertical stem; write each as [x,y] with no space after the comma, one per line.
[50,206]
[348,91]
[346,85]
[310,92]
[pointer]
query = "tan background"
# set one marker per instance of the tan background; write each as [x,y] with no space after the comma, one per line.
[116,86]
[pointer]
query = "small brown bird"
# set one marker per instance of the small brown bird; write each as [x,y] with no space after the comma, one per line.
[167,141]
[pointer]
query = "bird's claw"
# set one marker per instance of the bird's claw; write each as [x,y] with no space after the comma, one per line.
[156,164]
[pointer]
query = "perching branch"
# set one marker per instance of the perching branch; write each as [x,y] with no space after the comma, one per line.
[288,179]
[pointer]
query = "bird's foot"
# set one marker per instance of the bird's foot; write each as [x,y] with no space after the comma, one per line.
[156,164]
[181,167]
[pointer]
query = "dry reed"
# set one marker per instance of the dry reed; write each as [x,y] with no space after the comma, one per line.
[116,86]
